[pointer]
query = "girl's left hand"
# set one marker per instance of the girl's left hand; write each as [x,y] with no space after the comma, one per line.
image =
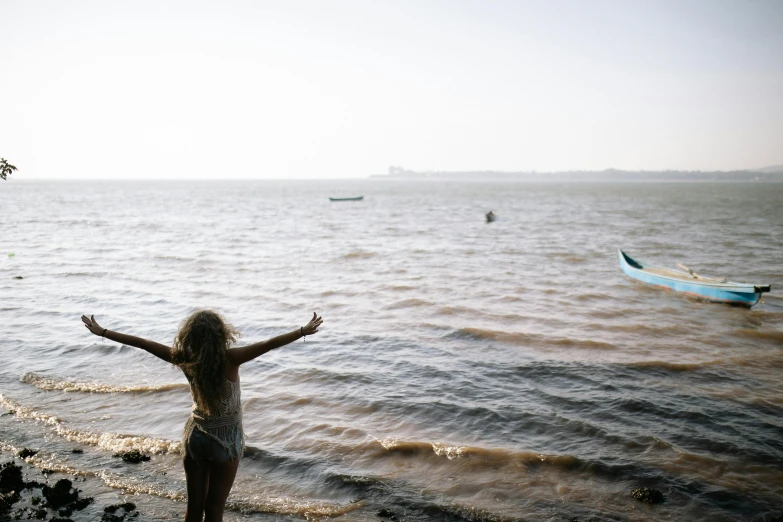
[92,325]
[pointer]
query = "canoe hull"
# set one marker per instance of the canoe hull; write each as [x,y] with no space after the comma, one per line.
[730,293]
[359,198]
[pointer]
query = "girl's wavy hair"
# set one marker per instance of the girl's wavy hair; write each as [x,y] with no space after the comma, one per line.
[200,349]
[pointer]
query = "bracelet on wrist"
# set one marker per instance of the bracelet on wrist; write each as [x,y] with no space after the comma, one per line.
[103,334]
[301,331]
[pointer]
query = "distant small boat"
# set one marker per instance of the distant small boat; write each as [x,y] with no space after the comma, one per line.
[490,217]
[690,283]
[357,198]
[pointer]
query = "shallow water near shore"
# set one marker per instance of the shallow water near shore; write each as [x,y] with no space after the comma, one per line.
[465,371]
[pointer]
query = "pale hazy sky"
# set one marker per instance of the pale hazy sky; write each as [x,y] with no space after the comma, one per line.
[326,89]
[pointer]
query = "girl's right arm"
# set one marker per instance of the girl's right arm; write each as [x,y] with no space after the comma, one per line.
[159,350]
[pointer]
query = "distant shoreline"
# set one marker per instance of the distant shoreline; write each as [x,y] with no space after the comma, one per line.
[609,175]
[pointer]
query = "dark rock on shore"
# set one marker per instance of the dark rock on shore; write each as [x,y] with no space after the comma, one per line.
[647,495]
[61,494]
[385,513]
[127,507]
[134,456]
[26,452]
[7,500]
[11,477]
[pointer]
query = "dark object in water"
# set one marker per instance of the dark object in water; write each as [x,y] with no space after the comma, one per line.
[647,495]
[26,452]
[134,456]
[18,277]
[357,198]
[490,216]
[77,450]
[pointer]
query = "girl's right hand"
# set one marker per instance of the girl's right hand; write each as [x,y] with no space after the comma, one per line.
[312,327]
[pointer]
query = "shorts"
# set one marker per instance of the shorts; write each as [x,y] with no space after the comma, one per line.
[201,446]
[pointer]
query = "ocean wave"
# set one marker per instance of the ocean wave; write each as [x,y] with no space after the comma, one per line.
[400,288]
[525,339]
[121,481]
[289,506]
[53,383]
[80,274]
[455,310]
[399,497]
[728,473]
[341,293]
[358,254]
[489,457]
[408,303]
[764,335]
[46,461]
[674,367]
[510,299]
[767,361]
[641,329]
[114,442]
[566,257]
[662,455]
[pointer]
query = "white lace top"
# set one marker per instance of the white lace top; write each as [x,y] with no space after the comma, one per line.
[225,427]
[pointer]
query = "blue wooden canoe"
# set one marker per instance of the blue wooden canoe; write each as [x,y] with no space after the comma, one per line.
[692,284]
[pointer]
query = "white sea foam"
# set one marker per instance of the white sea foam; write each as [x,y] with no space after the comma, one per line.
[54,383]
[113,442]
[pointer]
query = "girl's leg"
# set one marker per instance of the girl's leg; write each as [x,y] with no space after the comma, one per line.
[221,478]
[197,479]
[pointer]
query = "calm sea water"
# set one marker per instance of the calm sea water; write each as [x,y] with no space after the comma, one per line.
[464,372]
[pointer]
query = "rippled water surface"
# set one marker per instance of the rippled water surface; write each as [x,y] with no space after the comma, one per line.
[465,371]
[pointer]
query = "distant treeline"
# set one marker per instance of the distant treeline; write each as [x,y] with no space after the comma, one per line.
[766,175]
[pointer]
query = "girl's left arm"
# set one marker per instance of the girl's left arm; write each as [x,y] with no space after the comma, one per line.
[159,350]
[238,356]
